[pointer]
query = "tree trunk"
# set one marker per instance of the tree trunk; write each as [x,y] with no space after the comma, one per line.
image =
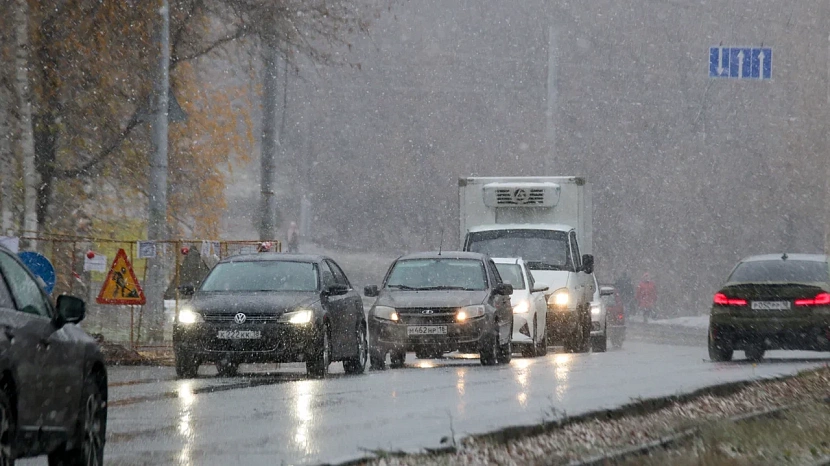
[24,107]
[270,142]
[7,165]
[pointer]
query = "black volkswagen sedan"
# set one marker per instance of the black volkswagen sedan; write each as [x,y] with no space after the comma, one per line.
[772,302]
[270,308]
[434,303]
[53,388]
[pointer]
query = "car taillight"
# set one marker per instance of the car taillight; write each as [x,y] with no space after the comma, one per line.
[722,300]
[821,299]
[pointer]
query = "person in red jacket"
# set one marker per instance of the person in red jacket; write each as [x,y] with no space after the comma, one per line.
[647,297]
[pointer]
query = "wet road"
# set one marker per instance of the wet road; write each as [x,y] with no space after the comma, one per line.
[280,417]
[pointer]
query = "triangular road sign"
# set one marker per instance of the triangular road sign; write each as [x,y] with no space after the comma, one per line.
[121,286]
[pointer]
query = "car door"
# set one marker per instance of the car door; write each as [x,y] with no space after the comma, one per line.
[538,304]
[46,359]
[342,330]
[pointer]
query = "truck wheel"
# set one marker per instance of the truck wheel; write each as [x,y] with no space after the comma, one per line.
[397,359]
[720,350]
[377,360]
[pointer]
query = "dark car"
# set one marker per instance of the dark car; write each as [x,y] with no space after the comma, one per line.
[772,302]
[271,308]
[54,382]
[434,303]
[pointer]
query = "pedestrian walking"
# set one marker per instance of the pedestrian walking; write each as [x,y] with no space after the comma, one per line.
[647,297]
[293,237]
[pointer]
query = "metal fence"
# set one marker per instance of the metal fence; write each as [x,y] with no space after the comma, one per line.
[125,324]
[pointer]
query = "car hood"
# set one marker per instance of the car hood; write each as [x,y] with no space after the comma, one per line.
[417,299]
[555,279]
[257,302]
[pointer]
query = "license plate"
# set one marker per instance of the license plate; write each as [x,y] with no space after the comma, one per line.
[239,334]
[426,330]
[770,305]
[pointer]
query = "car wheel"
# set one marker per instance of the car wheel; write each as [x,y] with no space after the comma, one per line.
[530,351]
[754,352]
[600,344]
[93,428]
[719,349]
[186,366]
[357,364]
[8,429]
[227,369]
[397,359]
[377,360]
[320,358]
[543,345]
[489,349]
[505,353]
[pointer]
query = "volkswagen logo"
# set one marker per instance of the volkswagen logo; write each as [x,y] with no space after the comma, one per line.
[239,318]
[427,311]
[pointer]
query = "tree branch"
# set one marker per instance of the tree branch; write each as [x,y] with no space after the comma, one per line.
[104,153]
[241,32]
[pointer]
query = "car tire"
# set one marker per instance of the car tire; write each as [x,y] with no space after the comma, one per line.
[318,361]
[397,359]
[543,345]
[357,364]
[92,428]
[186,366]
[585,340]
[719,350]
[227,369]
[754,352]
[377,360]
[8,427]
[505,352]
[599,344]
[489,349]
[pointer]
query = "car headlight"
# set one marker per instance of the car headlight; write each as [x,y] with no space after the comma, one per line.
[595,309]
[521,308]
[298,317]
[559,299]
[386,313]
[188,316]
[469,312]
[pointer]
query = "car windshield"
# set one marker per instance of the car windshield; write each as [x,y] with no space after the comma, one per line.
[436,274]
[512,275]
[783,271]
[542,249]
[262,276]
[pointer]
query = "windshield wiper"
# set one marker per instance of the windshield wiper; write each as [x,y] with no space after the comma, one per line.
[403,287]
[445,287]
[537,265]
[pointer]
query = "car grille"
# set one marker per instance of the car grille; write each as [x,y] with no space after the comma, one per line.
[421,317]
[249,318]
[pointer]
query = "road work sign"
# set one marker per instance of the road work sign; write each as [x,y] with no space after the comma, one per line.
[121,286]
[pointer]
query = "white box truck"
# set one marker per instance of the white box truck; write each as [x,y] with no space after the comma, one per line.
[547,222]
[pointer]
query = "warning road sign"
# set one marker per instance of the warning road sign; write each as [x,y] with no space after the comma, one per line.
[121,286]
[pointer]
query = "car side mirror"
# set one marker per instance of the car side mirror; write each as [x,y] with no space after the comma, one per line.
[70,310]
[187,290]
[588,263]
[538,288]
[606,291]
[336,290]
[371,291]
[503,289]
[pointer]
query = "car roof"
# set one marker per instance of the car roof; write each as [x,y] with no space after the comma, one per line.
[274,256]
[444,255]
[522,226]
[793,257]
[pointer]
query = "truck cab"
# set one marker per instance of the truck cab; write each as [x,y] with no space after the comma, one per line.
[547,222]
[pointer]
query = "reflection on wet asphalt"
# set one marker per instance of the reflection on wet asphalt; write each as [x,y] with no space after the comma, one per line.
[280,416]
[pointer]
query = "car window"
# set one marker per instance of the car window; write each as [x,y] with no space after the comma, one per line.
[26,291]
[797,271]
[6,300]
[339,276]
[495,276]
[262,276]
[468,274]
[326,275]
[512,275]
[531,282]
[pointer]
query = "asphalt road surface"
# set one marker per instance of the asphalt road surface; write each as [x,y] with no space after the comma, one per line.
[278,416]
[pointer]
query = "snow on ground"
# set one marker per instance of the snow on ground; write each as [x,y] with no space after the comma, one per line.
[692,322]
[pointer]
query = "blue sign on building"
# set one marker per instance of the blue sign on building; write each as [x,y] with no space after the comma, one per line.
[740,62]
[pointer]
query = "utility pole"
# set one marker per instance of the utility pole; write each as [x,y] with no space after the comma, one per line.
[157,206]
[269,142]
[550,112]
